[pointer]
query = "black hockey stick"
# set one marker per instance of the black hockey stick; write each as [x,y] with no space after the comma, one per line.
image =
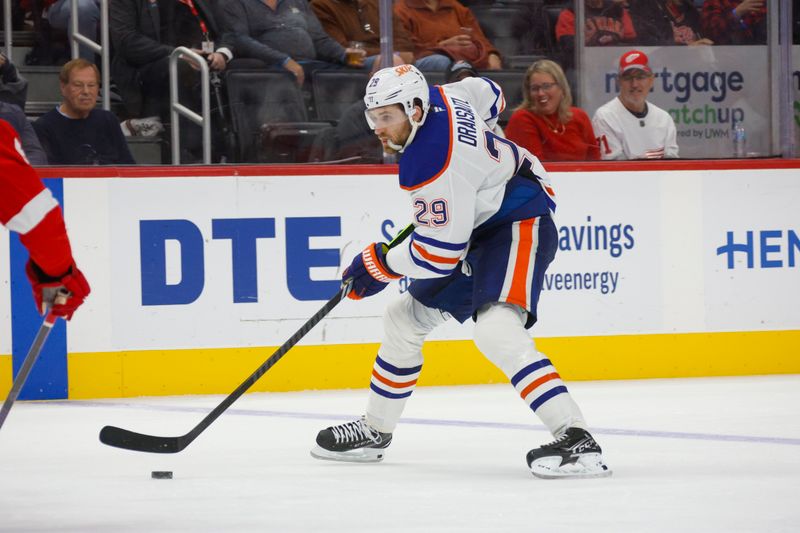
[130,440]
[27,364]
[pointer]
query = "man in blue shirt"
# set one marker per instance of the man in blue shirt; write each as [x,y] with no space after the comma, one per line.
[283,34]
[75,133]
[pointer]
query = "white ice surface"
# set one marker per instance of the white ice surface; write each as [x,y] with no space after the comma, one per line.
[704,455]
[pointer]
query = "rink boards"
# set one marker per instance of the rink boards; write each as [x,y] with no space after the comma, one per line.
[198,274]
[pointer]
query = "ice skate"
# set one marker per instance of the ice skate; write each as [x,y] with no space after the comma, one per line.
[354,442]
[573,455]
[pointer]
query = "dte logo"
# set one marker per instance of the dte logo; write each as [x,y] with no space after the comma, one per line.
[242,234]
[774,246]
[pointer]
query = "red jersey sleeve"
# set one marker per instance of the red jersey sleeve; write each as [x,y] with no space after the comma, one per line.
[28,208]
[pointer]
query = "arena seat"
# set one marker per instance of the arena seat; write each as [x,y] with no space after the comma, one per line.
[498,24]
[335,90]
[292,142]
[257,98]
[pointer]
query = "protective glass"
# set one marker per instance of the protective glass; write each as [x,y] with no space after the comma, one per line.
[384,117]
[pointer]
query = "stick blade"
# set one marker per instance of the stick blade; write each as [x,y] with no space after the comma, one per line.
[138,442]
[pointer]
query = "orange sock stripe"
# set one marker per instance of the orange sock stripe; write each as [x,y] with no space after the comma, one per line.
[544,379]
[519,280]
[391,383]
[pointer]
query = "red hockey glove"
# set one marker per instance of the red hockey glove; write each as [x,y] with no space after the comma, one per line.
[46,287]
[369,272]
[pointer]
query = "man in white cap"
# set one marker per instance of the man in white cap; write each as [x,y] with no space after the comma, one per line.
[630,127]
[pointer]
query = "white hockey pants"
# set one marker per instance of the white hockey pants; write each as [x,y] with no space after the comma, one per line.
[499,334]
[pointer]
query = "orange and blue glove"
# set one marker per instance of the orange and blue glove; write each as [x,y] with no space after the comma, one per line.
[368,272]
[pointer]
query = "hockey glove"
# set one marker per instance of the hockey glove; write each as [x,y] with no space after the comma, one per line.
[369,272]
[45,288]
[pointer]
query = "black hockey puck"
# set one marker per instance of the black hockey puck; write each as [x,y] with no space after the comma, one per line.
[161,474]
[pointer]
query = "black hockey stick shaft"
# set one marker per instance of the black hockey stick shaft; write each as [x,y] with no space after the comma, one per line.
[130,440]
[27,364]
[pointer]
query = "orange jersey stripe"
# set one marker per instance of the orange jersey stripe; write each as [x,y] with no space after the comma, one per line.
[391,383]
[537,382]
[519,280]
[432,257]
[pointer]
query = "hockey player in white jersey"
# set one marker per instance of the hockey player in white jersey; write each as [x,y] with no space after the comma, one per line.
[482,241]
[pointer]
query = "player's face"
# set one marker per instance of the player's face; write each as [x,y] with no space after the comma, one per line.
[634,86]
[80,92]
[390,123]
[545,93]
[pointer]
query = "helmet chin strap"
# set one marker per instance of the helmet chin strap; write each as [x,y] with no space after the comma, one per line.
[414,127]
[395,147]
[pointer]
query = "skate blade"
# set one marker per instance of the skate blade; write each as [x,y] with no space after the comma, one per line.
[364,455]
[587,466]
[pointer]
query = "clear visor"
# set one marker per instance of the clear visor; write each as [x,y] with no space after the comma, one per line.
[384,117]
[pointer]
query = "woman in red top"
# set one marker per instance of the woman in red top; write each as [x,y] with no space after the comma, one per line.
[546,123]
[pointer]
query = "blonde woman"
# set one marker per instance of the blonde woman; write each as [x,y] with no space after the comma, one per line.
[546,123]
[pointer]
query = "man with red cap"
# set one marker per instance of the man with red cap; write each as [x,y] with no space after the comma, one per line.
[28,208]
[630,127]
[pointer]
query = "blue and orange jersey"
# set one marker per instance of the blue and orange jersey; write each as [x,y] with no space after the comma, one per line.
[458,174]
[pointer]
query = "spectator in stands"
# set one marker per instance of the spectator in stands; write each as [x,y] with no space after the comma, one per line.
[350,21]
[735,22]
[460,70]
[27,135]
[75,132]
[630,127]
[59,15]
[144,33]
[13,87]
[444,31]
[666,22]
[607,23]
[13,93]
[284,35]
[546,123]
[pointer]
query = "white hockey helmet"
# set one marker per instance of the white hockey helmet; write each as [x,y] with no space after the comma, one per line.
[402,85]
